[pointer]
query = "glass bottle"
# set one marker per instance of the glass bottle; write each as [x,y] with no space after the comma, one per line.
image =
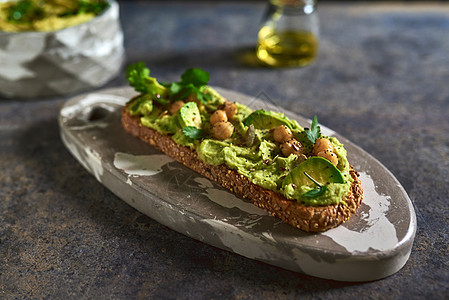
[289,35]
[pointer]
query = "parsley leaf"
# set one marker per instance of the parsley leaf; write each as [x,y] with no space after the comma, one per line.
[175,88]
[137,75]
[315,192]
[192,83]
[195,76]
[95,7]
[205,98]
[314,132]
[193,132]
[24,11]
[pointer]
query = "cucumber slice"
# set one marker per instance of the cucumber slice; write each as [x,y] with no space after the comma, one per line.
[262,119]
[320,169]
[189,115]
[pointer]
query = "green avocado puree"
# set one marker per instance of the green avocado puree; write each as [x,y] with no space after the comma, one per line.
[334,191]
[262,162]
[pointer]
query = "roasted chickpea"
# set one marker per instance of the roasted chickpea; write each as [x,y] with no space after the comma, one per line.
[291,146]
[222,130]
[230,109]
[282,133]
[175,106]
[321,145]
[218,116]
[329,155]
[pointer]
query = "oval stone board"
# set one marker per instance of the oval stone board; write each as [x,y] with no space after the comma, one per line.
[374,243]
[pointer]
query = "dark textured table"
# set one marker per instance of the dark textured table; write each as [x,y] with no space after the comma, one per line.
[381,80]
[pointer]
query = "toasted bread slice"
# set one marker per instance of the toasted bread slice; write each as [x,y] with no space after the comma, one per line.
[307,218]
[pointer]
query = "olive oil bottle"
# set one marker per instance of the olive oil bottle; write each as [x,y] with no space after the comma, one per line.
[289,35]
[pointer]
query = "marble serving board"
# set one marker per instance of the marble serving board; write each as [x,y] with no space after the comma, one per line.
[374,243]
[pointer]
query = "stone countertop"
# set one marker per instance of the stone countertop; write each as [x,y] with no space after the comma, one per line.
[380,80]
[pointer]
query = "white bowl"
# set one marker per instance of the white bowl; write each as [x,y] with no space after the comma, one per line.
[34,64]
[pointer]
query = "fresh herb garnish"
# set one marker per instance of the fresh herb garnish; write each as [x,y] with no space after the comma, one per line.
[85,6]
[139,78]
[195,76]
[137,75]
[314,132]
[24,11]
[95,7]
[193,132]
[315,192]
[192,83]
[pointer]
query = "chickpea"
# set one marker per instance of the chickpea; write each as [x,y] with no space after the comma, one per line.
[282,133]
[222,130]
[230,109]
[321,145]
[218,116]
[175,106]
[291,146]
[329,155]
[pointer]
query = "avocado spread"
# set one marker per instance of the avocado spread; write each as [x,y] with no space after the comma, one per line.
[247,142]
[47,15]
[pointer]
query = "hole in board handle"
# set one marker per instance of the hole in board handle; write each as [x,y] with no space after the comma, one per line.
[97,113]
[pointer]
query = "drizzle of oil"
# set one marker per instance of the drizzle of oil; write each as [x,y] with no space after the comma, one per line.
[286,48]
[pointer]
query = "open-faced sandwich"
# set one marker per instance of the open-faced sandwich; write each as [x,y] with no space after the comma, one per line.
[294,173]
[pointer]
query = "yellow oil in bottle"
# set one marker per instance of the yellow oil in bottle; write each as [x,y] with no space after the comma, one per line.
[286,48]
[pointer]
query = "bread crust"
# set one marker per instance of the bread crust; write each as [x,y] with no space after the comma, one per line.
[307,218]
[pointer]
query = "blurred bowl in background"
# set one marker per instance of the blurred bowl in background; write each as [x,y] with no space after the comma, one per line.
[85,56]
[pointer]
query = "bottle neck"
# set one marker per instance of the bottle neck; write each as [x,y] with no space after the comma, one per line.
[306,6]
